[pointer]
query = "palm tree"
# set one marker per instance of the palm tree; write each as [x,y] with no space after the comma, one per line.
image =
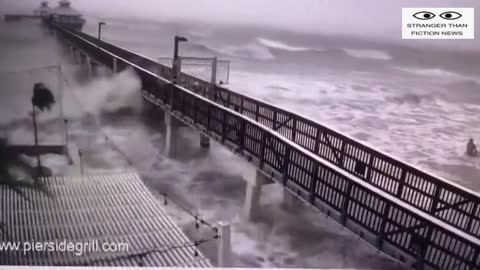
[42,99]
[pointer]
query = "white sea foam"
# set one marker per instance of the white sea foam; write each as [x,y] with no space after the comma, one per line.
[406,117]
[368,54]
[107,93]
[283,46]
[250,50]
[437,72]
[260,50]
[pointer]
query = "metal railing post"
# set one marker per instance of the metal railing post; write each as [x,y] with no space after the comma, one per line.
[213,80]
[262,149]
[286,160]
[471,217]
[313,184]
[401,184]
[346,200]
[383,225]
[436,198]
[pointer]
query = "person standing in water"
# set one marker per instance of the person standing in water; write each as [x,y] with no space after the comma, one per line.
[471,148]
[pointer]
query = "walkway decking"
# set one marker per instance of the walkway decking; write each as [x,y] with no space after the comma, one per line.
[107,208]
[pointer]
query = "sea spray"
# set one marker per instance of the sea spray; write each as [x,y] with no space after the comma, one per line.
[109,93]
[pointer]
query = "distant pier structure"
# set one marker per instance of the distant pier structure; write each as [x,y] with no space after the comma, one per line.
[42,11]
[18,17]
[67,16]
[63,14]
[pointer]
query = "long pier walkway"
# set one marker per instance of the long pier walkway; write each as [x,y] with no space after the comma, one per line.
[418,218]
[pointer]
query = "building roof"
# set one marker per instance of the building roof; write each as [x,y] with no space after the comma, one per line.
[108,208]
[43,8]
[64,8]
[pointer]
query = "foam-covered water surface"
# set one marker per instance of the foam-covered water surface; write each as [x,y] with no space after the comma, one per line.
[423,121]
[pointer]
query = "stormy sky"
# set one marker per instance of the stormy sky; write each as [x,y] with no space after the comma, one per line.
[377,19]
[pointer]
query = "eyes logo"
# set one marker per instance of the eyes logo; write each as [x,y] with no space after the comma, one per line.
[424,15]
[451,15]
[427,15]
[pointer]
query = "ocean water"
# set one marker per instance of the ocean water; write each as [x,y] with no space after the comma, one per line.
[416,105]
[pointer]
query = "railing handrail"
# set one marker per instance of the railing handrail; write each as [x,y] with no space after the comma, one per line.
[301,149]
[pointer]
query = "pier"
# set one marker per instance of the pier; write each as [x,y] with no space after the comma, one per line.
[19,17]
[420,219]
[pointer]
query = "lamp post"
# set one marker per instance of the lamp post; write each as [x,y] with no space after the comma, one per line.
[176,64]
[177,41]
[100,24]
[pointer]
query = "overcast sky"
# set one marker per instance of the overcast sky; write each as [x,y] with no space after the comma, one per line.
[373,18]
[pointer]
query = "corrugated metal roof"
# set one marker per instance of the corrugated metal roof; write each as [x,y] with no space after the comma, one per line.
[107,208]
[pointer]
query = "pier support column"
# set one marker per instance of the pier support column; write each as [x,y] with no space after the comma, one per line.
[89,67]
[224,251]
[172,134]
[204,141]
[115,65]
[75,55]
[75,167]
[255,179]
[169,143]
[79,55]
[72,52]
